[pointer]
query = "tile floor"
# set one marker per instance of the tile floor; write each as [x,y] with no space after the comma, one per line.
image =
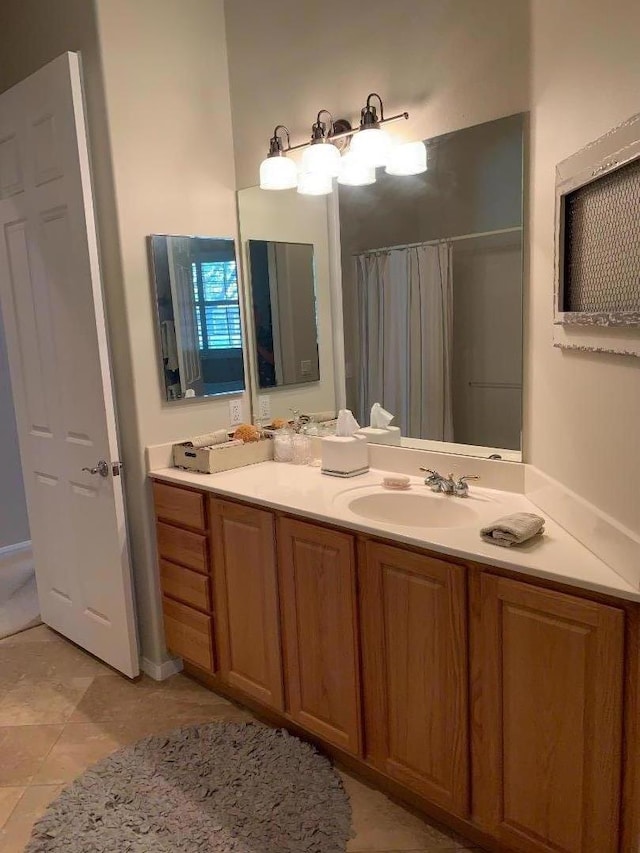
[61,710]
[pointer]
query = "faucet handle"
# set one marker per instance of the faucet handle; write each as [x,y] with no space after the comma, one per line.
[461,487]
[433,479]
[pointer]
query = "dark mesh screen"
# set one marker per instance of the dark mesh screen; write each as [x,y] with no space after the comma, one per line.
[602,244]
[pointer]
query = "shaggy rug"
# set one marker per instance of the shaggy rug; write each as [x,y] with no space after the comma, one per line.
[219,788]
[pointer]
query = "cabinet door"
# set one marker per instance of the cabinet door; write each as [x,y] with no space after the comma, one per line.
[548,744]
[318,587]
[415,673]
[246,600]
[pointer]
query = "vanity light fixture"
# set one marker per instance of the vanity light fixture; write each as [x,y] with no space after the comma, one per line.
[408,158]
[355,173]
[371,142]
[321,162]
[312,183]
[277,171]
[321,157]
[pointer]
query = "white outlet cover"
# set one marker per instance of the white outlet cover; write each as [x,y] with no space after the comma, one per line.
[264,406]
[235,411]
[305,367]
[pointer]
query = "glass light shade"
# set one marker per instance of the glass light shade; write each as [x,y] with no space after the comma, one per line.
[372,145]
[321,158]
[355,173]
[310,183]
[409,158]
[278,173]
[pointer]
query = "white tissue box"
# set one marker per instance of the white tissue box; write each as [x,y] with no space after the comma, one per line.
[376,435]
[344,456]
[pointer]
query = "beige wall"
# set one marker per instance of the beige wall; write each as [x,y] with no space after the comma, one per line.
[14,524]
[450,64]
[582,422]
[167,97]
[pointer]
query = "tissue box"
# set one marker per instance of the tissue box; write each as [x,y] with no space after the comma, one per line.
[221,457]
[344,456]
[389,435]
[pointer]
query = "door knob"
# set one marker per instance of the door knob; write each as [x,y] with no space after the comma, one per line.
[101,468]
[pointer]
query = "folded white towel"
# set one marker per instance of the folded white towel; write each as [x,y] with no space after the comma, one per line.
[513,529]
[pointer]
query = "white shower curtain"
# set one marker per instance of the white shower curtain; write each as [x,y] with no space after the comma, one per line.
[405,325]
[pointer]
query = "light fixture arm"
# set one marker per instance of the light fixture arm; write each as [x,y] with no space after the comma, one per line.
[322,131]
[276,148]
[370,111]
[352,132]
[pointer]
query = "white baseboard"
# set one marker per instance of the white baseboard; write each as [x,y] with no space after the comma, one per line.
[9,550]
[161,671]
[614,544]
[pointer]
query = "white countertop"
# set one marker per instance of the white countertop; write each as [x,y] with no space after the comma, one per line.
[304,491]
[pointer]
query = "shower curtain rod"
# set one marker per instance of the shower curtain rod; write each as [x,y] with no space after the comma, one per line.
[438,242]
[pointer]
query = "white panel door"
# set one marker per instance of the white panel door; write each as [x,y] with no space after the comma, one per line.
[51,298]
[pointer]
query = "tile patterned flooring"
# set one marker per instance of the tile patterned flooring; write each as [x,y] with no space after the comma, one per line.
[62,710]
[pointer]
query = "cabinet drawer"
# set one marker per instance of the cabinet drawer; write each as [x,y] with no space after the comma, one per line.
[179,506]
[188,633]
[187,586]
[183,547]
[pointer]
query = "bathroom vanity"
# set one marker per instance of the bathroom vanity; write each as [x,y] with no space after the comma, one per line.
[494,688]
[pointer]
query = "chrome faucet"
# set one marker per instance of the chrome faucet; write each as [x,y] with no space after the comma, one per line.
[447,485]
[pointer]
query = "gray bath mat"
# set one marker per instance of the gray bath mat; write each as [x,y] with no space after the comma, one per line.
[219,788]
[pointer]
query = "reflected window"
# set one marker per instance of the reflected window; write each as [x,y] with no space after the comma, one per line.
[215,287]
[199,322]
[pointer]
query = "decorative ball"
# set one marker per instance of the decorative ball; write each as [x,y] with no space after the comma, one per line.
[247,433]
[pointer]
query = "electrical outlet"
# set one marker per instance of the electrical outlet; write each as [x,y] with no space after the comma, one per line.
[305,367]
[235,411]
[264,407]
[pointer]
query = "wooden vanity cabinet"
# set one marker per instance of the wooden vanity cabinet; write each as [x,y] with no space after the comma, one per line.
[415,671]
[320,631]
[246,600]
[548,672]
[509,705]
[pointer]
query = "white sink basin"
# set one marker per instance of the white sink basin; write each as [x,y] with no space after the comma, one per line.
[414,509]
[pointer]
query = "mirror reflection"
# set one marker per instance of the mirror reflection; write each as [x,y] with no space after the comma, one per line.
[284,313]
[427,318]
[199,323]
[432,291]
[289,305]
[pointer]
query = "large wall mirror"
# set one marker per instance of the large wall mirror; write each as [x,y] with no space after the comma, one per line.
[432,271]
[286,260]
[284,312]
[423,313]
[199,319]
